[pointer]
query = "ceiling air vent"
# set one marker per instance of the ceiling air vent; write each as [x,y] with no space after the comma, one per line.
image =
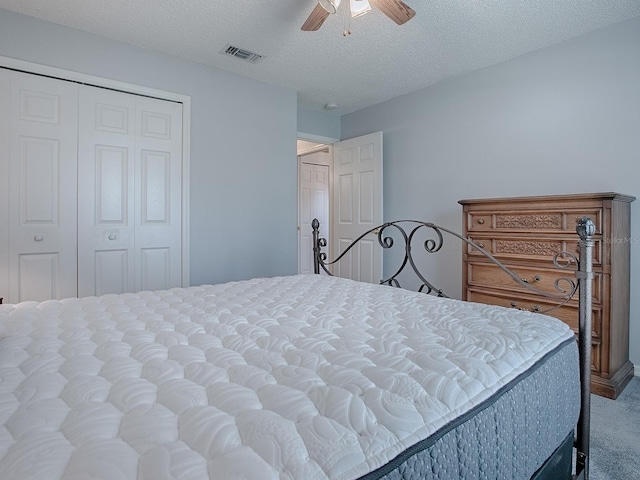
[242,54]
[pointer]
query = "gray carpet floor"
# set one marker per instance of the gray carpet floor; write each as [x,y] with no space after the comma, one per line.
[615,435]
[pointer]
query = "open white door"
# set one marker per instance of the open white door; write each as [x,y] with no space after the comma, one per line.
[357,205]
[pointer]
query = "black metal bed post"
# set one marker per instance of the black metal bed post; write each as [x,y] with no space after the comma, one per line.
[585,229]
[315,224]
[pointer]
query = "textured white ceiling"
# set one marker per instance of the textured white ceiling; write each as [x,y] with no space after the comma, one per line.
[378,61]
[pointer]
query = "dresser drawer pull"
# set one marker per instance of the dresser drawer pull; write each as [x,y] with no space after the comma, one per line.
[481,221]
[38,238]
[535,308]
[536,278]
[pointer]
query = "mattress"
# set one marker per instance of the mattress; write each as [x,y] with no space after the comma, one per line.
[300,377]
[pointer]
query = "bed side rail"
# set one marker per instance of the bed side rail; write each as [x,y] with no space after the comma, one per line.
[565,289]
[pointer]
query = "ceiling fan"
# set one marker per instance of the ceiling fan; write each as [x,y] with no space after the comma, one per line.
[396,10]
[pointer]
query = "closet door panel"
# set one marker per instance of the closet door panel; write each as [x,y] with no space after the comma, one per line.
[158,194]
[42,188]
[129,193]
[106,192]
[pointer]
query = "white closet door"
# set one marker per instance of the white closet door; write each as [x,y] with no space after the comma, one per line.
[158,235]
[106,219]
[129,193]
[42,188]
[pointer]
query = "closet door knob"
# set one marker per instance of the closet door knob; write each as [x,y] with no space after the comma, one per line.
[38,238]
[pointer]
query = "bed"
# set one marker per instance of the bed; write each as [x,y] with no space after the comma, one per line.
[298,377]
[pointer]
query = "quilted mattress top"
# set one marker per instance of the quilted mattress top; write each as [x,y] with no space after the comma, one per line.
[301,377]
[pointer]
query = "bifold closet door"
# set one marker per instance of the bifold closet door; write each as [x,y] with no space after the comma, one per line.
[105,192]
[39,162]
[158,196]
[129,191]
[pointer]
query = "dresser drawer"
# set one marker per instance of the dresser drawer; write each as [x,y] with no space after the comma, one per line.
[532,221]
[540,249]
[490,276]
[567,313]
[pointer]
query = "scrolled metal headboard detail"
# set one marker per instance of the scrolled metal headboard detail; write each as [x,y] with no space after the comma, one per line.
[565,287]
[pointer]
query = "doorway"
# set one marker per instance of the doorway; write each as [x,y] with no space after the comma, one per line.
[341,185]
[314,193]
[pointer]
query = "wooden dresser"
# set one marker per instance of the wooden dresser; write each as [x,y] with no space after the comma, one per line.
[524,233]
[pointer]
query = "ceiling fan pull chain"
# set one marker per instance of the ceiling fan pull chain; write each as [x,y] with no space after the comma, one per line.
[347,29]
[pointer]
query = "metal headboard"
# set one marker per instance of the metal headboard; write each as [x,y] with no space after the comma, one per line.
[566,289]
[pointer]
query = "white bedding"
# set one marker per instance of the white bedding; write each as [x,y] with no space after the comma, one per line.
[302,377]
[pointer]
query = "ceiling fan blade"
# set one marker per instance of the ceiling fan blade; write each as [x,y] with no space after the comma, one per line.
[316,19]
[396,10]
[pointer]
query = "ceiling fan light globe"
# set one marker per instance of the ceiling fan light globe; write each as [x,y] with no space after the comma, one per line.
[359,8]
[330,6]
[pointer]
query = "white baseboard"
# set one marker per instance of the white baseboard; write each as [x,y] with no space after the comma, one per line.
[636,370]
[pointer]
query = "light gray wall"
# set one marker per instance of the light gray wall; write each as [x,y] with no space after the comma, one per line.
[313,124]
[564,119]
[243,145]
